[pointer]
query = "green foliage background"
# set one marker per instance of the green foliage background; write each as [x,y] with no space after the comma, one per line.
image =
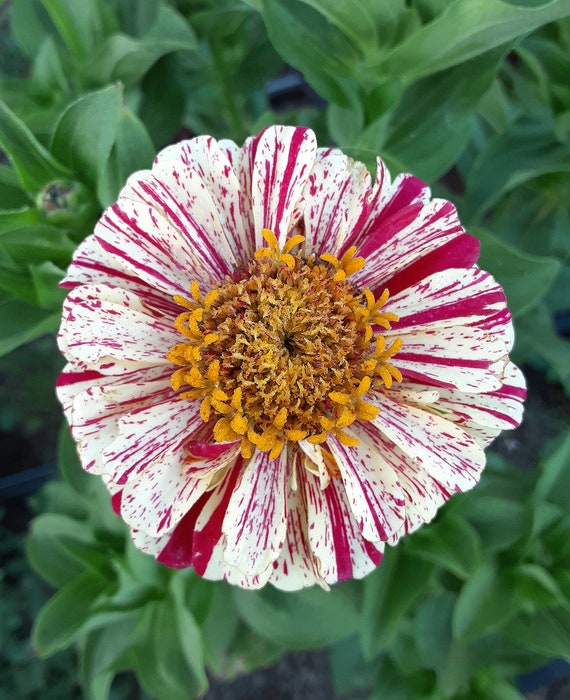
[471,95]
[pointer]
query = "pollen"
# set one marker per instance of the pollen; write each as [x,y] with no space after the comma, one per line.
[285,349]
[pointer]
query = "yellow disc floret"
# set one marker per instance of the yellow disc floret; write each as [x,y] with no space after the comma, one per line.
[285,349]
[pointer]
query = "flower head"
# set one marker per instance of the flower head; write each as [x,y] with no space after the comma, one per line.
[277,365]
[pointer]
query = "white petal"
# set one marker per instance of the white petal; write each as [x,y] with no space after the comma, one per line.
[441,448]
[283,160]
[157,500]
[110,330]
[336,196]
[256,520]
[333,533]
[147,434]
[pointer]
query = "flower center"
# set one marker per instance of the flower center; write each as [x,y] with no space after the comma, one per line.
[284,350]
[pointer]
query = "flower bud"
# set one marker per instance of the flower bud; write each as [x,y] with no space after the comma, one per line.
[62,202]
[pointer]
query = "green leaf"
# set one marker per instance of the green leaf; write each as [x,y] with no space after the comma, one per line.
[35,244]
[103,648]
[189,634]
[500,522]
[137,17]
[22,322]
[349,671]
[389,592]
[161,653]
[485,602]
[68,464]
[301,620]
[48,73]
[451,543]
[536,336]
[357,20]
[432,630]
[305,39]
[501,690]
[219,628]
[553,483]
[546,632]
[11,193]
[527,150]
[525,278]
[29,23]
[46,277]
[18,218]
[46,550]
[432,123]
[466,29]
[345,123]
[61,619]
[86,131]
[125,58]
[36,167]
[79,24]
[133,150]
[534,583]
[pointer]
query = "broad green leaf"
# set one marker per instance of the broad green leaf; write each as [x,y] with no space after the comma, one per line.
[62,617]
[389,592]
[546,632]
[189,634]
[535,583]
[137,17]
[35,166]
[432,123]
[501,690]
[125,58]
[355,19]
[79,24]
[500,522]
[46,550]
[392,685]
[86,131]
[466,29]
[22,322]
[553,483]
[48,74]
[349,671]
[301,620]
[104,646]
[528,149]
[252,650]
[11,220]
[11,194]
[404,652]
[29,23]
[454,661]
[307,41]
[432,630]
[46,277]
[345,123]
[161,656]
[163,100]
[219,628]
[536,336]
[485,602]
[29,244]
[133,150]
[68,464]
[525,278]
[15,281]
[451,543]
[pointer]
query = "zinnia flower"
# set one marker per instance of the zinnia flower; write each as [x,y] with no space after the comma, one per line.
[276,365]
